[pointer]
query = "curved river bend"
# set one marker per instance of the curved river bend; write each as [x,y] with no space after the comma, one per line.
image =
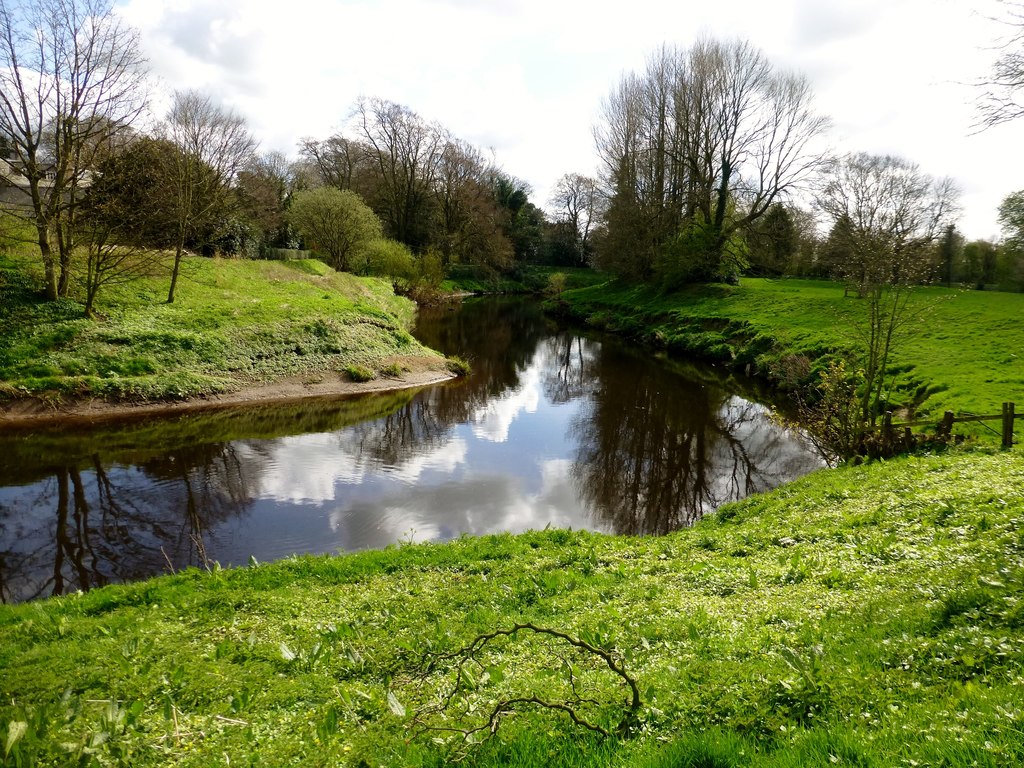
[553,428]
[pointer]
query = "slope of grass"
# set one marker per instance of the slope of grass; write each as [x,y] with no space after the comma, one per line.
[962,351]
[234,322]
[867,616]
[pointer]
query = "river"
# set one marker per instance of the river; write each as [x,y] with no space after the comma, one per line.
[554,427]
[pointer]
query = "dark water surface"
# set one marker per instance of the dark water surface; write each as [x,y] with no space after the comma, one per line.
[552,428]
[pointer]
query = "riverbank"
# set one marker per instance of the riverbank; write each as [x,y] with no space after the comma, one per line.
[239,331]
[37,412]
[834,621]
[960,350]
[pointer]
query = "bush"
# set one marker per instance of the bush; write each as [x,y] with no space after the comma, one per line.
[556,285]
[393,371]
[385,258]
[359,373]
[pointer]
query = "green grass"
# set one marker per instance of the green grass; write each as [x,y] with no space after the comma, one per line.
[964,350]
[233,323]
[865,616]
[532,279]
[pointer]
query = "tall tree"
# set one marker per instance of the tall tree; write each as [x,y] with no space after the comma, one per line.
[949,252]
[576,201]
[523,221]
[405,149]
[773,241]
[71,81]
[1011,219]
[980,262]
[1010,259]
[213,145]
[263,189]
[700,145]
[123,222]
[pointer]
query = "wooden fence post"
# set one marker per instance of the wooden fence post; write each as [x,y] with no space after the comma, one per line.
[947,424]
[1008,417]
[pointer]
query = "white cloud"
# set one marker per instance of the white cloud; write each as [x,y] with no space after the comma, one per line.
[493,420]
[445,458]
[307,468]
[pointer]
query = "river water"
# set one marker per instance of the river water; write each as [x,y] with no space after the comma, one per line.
[554,427]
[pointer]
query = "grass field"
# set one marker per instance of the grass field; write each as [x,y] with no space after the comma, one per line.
[865,616]
[233,323]
[963,350]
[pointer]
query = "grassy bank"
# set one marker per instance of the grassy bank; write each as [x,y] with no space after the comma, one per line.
[867,616]
[234,323]
[962,351]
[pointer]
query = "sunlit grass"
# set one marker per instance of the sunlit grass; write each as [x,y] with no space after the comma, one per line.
[962,350]
[234,322]
[863,616]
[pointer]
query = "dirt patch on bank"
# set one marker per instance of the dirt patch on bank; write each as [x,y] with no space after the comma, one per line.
[419,372]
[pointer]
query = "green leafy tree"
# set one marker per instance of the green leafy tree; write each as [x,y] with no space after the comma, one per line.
[980,262]
[523,221]
[950,255]
[1010,261]
[123,220]
[385,258]
[334,222]
[1011,219]
[773,241]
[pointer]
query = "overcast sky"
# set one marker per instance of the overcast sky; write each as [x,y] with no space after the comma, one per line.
[525,78]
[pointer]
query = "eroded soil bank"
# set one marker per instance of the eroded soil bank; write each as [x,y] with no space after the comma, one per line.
[28,412]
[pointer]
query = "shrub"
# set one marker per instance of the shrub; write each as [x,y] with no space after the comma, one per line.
[386,258]
[359,373]
[458,366]
[393,371]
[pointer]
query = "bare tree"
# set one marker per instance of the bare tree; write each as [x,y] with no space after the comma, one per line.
[213,144]
[405,149]
[700,145]
[1000,100]
[577,203]
[338,161]
[71,81]
[891,214]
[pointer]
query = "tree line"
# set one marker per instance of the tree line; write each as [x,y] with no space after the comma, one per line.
[711,166]
[109,194]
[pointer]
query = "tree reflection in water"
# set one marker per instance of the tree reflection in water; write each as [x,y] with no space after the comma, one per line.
[99,506]
[656,451]
[552,428]
[111,523]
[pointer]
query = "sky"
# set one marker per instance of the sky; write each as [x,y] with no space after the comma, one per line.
[525,79]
